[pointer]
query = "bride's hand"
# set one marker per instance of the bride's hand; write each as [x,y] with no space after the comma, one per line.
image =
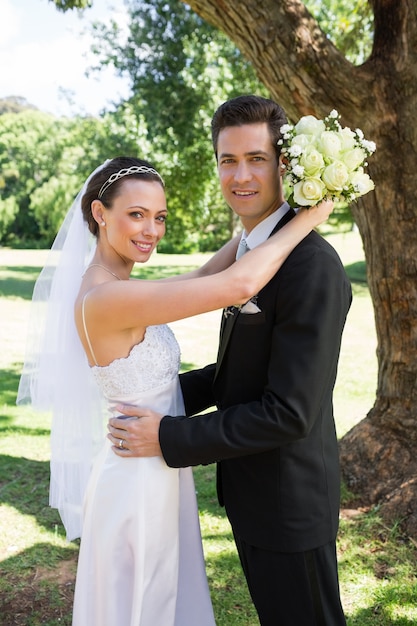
[319,213]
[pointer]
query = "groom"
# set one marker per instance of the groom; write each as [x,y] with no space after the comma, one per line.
[273,433]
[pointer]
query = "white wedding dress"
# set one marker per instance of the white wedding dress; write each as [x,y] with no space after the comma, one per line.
[141,561]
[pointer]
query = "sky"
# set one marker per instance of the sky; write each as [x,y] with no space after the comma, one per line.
[43,55]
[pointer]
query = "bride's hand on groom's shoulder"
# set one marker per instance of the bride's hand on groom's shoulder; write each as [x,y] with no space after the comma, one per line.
[137,436]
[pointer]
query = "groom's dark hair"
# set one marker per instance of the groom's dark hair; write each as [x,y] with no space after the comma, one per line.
[249,110]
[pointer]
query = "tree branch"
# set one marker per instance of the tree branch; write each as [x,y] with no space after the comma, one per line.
[290,54]
[395,24]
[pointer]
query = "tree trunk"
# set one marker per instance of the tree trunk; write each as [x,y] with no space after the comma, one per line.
[306,74]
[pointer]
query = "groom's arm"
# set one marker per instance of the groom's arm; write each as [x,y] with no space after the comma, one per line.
[302,364]
[197,389]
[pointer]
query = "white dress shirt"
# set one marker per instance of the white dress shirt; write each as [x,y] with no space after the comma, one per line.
[262,230]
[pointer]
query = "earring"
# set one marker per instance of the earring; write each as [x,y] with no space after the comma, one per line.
[282,166]
[102,223]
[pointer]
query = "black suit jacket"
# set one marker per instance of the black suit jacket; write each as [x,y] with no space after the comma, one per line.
[273,433]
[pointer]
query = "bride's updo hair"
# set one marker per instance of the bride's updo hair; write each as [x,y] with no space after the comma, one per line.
[105,184]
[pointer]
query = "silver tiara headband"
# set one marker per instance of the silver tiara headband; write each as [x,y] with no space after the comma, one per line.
[135,169]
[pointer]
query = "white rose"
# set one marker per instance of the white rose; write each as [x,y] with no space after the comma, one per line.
[347,138]
[336,176]
[361,182]
[330,144]
[300,141]
[353,158]
[309,191]
[312,161]
[309,125]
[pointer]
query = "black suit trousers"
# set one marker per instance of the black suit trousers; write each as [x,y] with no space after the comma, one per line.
[293,588]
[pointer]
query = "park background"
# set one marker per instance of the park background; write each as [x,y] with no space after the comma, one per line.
[178,69]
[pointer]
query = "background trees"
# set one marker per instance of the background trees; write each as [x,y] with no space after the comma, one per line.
[43,164]
[28,153]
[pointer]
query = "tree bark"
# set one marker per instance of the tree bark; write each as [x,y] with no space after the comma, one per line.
[306,73]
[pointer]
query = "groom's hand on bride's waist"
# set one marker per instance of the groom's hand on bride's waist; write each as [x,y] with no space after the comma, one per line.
[138,436]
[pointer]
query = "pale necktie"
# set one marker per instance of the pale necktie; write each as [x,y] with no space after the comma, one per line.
[242,248]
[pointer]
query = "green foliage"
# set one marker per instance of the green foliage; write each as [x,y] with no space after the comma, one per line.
[65,5]
[48,201]
[8,211]
[348,23]
[29,151]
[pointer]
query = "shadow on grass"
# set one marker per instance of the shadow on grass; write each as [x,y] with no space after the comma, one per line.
[357,272]
[153,272]
[205,483]
[9,382]
[186,366]
[19,281]
[7,427]
[24,485]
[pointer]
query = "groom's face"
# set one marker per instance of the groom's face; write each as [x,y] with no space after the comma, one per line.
[249,173]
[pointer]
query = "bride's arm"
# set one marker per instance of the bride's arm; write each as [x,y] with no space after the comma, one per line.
[128,304]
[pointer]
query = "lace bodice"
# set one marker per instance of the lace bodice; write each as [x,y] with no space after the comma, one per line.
[151,364]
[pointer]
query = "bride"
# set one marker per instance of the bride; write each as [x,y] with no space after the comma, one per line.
[102,337]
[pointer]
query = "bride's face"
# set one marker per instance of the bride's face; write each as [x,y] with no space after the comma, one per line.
[136,221]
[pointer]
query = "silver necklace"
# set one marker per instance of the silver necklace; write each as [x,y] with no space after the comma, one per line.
[104,268]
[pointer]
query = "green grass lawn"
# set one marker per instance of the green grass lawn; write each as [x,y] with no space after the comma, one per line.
[37,565]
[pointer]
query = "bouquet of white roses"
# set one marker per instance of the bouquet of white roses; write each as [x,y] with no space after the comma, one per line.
[325,160]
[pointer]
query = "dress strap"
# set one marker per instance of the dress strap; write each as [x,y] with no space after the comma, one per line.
[86,333]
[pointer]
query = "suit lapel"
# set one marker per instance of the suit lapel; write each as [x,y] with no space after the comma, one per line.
[284,220]
[229,320]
